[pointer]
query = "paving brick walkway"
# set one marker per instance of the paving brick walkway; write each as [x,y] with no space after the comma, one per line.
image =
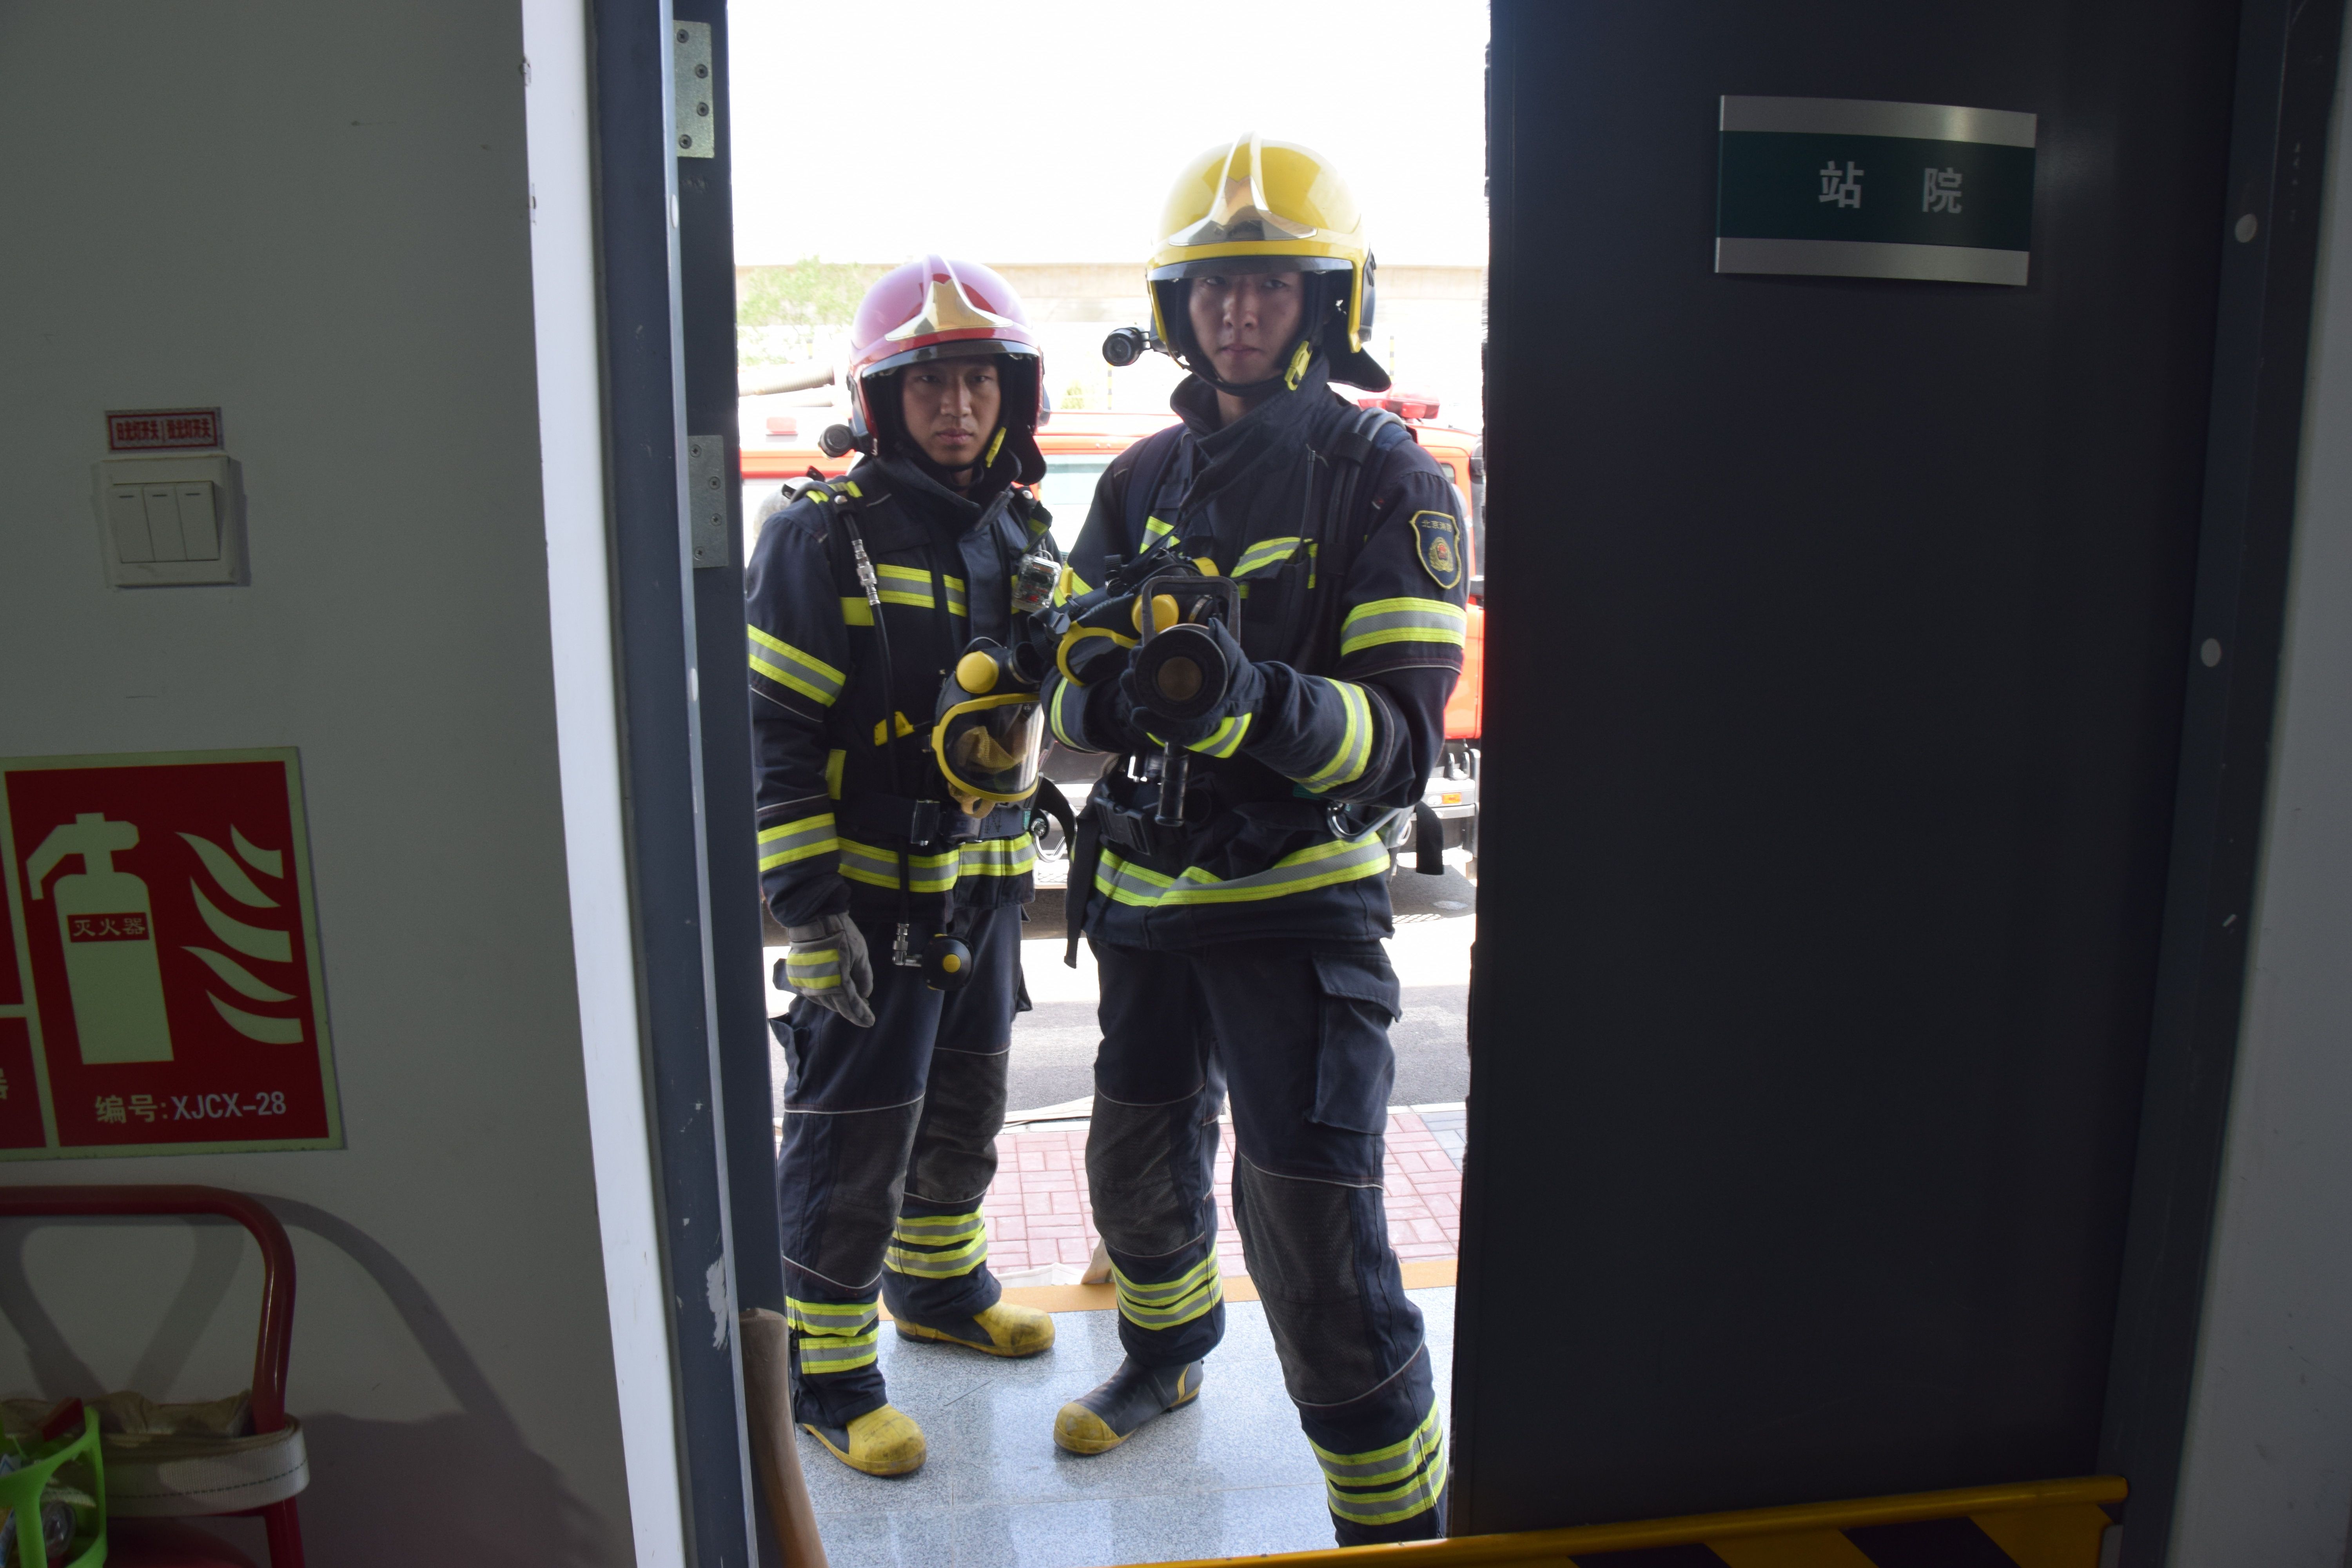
[1039,1213]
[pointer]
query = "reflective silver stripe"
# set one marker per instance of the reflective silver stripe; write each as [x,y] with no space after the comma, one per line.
[937,1229]
[1378,1467]
[787,665]
[1403,620]
[833,1336]
[1225,738]
[815,969]
[1000,857]
[831,1317]
[905,586]
[1416,1496]
[1154,530]
[956,597]
[1170,1303]
[1319,866]
[944,1264]
[1265,552]
[1359,1486]
[797,841]
[835,1352]
[879,868]
[1355,753]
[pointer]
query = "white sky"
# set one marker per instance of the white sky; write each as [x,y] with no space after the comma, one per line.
[1051,129]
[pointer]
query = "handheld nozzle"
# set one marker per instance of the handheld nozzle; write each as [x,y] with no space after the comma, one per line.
[89,836]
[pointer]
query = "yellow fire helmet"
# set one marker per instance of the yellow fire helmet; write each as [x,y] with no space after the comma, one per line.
[990,732]
[1269,206]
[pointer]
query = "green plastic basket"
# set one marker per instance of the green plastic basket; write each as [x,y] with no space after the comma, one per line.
[21,1489]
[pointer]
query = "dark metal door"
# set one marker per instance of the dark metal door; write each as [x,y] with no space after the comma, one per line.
[1842,651]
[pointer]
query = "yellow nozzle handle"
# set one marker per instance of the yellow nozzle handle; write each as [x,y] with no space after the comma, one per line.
[1165,612]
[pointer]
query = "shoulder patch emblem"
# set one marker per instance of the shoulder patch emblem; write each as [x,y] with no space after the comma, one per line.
[1437,540]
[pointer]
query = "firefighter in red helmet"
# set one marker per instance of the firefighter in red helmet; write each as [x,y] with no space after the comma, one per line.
[894,849]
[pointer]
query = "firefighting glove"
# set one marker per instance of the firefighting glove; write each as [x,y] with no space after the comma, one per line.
[827,967]
[1192,685]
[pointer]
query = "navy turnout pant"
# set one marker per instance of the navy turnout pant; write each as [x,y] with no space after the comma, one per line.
[889,1146]
[1299,1035]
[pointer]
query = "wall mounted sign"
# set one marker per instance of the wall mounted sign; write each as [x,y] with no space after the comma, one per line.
[160,983]
[1849,187]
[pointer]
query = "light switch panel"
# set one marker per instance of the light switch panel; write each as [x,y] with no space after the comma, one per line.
[171,520]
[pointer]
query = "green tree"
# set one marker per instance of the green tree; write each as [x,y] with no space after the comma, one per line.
[787,313]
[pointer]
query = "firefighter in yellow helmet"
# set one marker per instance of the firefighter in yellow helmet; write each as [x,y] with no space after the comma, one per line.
[1231,875]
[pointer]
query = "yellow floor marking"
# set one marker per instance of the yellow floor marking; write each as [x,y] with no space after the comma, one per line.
[2062,1537]
[1796,1549]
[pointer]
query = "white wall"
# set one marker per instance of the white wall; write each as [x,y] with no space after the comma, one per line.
[314,213]
[2268,1472]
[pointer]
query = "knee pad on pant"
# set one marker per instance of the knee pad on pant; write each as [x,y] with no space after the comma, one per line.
[954,1156]
[837,1187]
[1302,1242]
[1148,1168]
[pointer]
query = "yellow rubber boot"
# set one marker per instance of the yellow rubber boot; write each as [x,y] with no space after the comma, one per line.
[1003,1330]
[883,1442]
[1102,1418]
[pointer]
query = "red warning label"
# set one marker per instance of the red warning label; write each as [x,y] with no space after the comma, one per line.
[153,430]
[167,952]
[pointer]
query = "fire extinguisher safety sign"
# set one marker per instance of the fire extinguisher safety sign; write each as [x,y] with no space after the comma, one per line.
[160,983]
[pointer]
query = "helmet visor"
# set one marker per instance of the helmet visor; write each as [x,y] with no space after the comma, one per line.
[989,748]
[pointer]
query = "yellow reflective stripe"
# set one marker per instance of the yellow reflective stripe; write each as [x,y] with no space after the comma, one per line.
[879,868]
[1319,866]
[1355,753]
[1378,1467]
[1072,585]
[835,1352]
[956,596]
[813,968]
[832,761]
[829,1317]
[942,1265]
[915,589]
[1403,620]
[1169,1304]
[1056,718]
[1417,1494]
[936,1229]
[834,1336]
[1000,857]
[797,841]
[1155,531]
[967,1233]
[1314,558]
[788,666]
[1225,738]
[856,612]
[1265,552]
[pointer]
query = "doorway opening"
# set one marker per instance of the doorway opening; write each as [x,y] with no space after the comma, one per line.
[1063,202]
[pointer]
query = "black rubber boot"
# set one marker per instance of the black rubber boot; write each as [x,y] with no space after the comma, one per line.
[1101,1420]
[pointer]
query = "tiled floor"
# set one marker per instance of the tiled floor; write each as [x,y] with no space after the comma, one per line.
[1038,1212]
[1227,1475]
